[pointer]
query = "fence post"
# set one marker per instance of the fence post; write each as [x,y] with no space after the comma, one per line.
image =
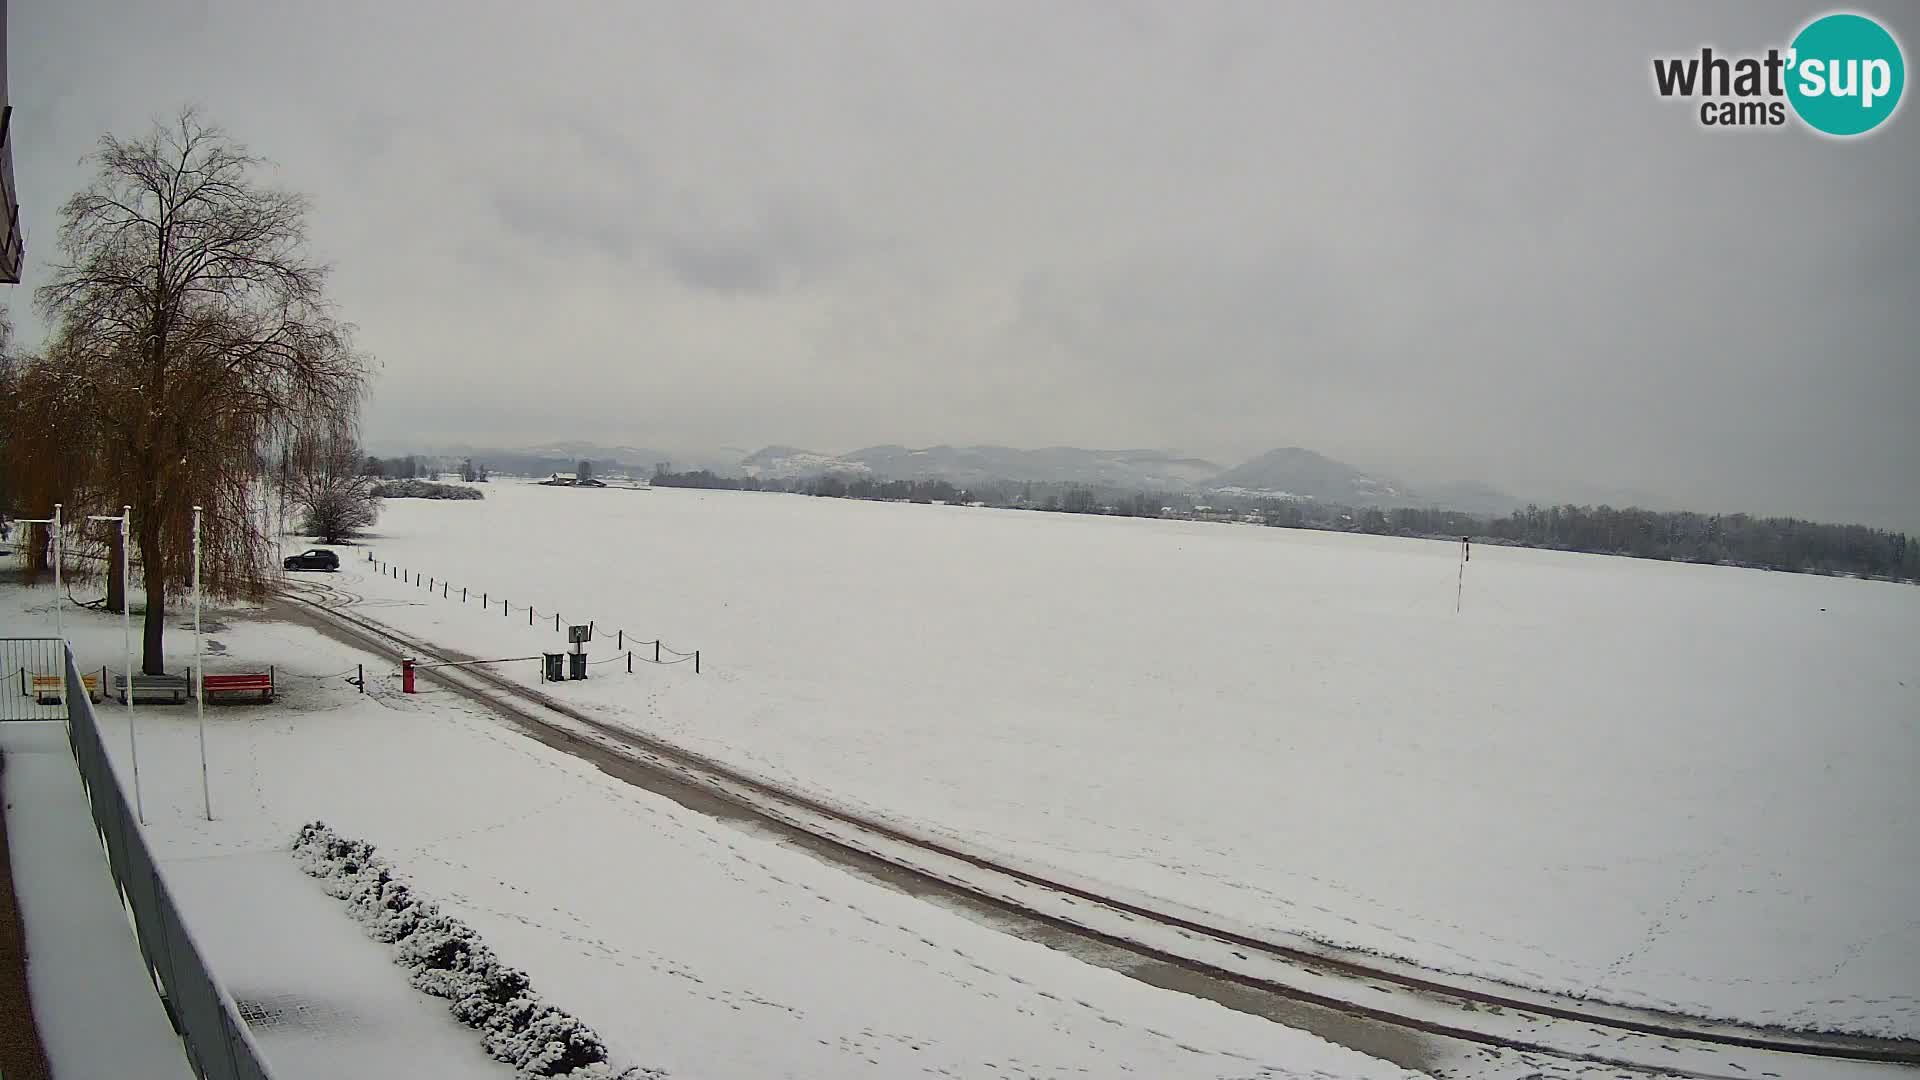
[529,614]
[363,677]
[556,621]
[463,594]
[620,640]
[443,591]
[656,650]
[629,661]
[696,661]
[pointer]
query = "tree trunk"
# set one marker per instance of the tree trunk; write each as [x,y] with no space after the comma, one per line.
[116,581]
[153,660]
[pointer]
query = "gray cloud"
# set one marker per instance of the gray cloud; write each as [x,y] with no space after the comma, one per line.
[1460,243]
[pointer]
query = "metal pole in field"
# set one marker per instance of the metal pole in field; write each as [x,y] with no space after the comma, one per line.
[199,675]
[1460,584]
[126,634]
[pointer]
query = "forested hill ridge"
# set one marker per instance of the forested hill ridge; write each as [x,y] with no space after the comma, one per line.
[1768,543]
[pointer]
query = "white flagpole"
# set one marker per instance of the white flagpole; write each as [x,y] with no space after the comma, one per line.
[199,675]
[59,609]
[126,635]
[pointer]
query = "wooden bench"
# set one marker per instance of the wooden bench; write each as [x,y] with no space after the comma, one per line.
[52,689]
[163,689]
[251,682]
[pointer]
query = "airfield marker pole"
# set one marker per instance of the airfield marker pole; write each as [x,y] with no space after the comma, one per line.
[1460,584]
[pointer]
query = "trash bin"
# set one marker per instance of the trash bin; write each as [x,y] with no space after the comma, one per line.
[551,671]
[576,665]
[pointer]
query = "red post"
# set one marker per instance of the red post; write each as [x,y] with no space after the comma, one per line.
[406,675]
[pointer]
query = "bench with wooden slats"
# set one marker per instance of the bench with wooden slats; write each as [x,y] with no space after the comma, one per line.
[250,682]
[52,689]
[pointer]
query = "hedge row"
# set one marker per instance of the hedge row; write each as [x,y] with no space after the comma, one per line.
[446,958]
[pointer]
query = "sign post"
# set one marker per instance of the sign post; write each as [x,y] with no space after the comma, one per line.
[578,636]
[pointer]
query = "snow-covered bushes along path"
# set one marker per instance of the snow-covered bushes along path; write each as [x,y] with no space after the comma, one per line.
[446,958]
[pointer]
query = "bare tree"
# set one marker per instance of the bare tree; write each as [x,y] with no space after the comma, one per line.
[195,333]
[330,487]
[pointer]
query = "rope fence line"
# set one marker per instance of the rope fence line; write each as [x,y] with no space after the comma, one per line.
[622,639]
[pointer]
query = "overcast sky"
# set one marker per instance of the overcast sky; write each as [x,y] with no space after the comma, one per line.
[1442,242]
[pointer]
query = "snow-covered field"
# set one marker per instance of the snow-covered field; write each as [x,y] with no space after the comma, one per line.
[1679,786]
[692,945]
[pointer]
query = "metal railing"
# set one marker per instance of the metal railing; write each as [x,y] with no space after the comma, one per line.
[218,1044]
[22,661]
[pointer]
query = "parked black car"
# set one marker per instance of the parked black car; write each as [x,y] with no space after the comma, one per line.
[313,560]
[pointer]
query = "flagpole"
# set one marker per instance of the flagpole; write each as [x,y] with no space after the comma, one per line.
[199,675]
[59,609]
[126,635]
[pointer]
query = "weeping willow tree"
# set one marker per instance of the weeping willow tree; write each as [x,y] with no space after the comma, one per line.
[193,335]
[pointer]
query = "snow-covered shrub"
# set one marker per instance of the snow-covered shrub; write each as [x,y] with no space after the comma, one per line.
[446,958]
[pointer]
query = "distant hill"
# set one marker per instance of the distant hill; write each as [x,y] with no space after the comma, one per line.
[1295,473]
[793,463]
[1134,469]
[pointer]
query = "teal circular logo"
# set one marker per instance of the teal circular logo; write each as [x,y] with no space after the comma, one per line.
[1845,74]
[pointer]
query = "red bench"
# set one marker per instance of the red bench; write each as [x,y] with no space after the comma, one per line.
[253,682]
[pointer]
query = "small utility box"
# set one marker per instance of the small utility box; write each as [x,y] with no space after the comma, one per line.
[577,665]
[551,667]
